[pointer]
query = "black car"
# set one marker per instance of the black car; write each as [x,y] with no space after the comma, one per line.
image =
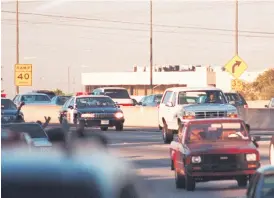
[151,100]
[37,136]
[10,112]
[236,99]
[262,183]
[92,111]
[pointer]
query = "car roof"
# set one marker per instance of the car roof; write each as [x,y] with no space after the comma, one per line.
[34,93]
[111,88]
[214,120]
[266,170]
[193,89]
[92,96]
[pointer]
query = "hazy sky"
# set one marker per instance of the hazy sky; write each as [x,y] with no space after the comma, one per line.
[96,36]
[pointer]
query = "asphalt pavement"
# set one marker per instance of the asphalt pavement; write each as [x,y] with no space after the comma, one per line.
[151,158]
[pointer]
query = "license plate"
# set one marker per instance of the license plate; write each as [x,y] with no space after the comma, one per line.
[104,122]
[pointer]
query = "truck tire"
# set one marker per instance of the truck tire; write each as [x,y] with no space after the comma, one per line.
[119,127]
[179,180]
[242,181]
[190,183]
[80,128]
[167,135]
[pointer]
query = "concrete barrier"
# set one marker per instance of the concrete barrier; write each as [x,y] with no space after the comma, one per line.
[257,103]
[259,119]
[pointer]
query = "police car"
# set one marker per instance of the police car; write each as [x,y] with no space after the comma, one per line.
[92,111]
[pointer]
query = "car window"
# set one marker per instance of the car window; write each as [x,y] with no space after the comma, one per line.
[60,100]
[167,97]
[149,99]
[34,130]
[221,131]
[233,97]
[252,185]
[85,102]
[174,98]
[67,103]
[35,98]
[7,104]
[200,97]
[267,190]
[117,93]
[71,103]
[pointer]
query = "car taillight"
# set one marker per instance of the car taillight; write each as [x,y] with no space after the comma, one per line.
[245,106]
[188,117]
[126,104]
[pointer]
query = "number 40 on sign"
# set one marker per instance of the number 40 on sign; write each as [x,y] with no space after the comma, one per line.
[23,74]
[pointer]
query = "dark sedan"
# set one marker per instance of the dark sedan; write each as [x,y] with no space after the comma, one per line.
[92,111]
[9,112]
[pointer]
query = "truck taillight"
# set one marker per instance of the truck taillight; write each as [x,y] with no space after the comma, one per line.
[188,117]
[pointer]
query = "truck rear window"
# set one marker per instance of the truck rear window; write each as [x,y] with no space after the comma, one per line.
[117,93]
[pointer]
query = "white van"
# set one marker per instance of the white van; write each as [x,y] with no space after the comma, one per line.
[118,94]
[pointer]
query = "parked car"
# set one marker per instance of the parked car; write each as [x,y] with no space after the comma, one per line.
[118,94]
[51,94]
[151,100]
[236,99]
[10,112]
[262,183]
[32,98]
[92,111]
[180,104]
[59,100]
[213,149]
[271,104]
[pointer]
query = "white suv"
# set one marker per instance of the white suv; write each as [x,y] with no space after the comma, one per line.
[182,103]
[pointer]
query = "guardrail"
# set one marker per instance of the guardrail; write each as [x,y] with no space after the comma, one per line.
[259,119]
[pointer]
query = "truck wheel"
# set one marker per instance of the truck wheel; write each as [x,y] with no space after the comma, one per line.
[80,128]
[271,151]
[104,128]
[179,180]
[242,181]
[167,135]
[190,183]
[119,127]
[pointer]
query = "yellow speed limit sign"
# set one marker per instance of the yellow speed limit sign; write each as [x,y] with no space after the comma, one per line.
[237,85]
[23,74]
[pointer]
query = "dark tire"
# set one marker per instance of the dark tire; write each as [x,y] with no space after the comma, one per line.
[167,135]
[190,183]
[104,128]
[80,128]
[119,127]
[180,181]
[242,181]
[172,165]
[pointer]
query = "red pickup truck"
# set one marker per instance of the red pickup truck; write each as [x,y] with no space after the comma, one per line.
[213,149]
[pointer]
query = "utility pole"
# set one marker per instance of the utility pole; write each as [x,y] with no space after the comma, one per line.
[68,79]
[237,28]
[17,38]
[151,50]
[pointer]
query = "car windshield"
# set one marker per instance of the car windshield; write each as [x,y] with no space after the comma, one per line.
[85,102]
[7,104]
[35,98]
[34,130]
[201,97]
[117,93]
[268,187]
[61,100]
[226,131]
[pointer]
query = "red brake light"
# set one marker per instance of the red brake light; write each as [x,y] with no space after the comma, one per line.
[3,95]
[245,106]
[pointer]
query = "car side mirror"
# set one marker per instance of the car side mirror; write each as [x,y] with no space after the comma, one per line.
[232,102]
[169,104]
[254,140]
[55,135]
[70,107]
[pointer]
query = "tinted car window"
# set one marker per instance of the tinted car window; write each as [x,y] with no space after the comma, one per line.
[34,130]
[7,104]
[117,93]
[85,102]
[35,98]
[200,97]
[61,100]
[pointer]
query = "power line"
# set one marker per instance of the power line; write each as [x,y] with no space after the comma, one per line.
[131,29]
[135,23]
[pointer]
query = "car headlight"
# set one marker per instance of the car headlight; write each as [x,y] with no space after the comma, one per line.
[251,157]
[196,159]
[119,115]
[189,115]
[87,115]
[232,114]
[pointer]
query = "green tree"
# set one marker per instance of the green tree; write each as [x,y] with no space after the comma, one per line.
[58,92]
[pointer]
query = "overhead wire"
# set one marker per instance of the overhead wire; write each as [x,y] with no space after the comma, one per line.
[137,23]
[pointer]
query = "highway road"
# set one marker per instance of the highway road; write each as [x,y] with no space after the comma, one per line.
[150,156]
